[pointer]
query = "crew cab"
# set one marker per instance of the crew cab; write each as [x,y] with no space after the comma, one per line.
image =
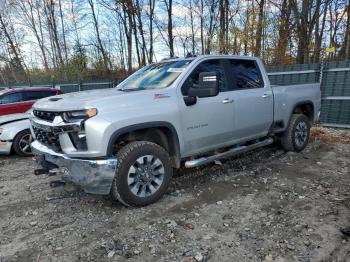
[179,112]
[20,100]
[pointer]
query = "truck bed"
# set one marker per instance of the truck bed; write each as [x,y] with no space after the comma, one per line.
[286,97]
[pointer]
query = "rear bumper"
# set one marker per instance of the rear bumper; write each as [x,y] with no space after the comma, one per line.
[93,176]
[5,147]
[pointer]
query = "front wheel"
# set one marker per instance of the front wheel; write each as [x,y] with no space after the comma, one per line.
[21,143]
[297,135]
[143,174]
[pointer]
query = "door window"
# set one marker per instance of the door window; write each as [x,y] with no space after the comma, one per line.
[34,95]
[44,94]
[246,74]
[206,66]
[11,98]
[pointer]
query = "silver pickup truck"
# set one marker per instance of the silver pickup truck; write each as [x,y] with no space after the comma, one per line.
[191,111]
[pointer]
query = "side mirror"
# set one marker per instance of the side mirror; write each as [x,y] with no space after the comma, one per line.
[208,85]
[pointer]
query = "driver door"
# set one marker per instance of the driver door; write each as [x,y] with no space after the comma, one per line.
[208,123]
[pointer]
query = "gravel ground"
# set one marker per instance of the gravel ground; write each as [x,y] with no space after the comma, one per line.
[266,205]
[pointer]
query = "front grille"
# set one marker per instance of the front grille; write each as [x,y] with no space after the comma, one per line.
[48,138]
[45,115]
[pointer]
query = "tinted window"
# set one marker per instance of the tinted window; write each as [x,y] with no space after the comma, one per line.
[11,98]
[246,74]
[34,95]
[48,93]
[206,66]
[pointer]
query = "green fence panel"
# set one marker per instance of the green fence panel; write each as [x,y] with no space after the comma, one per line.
[336,112]
[335,108]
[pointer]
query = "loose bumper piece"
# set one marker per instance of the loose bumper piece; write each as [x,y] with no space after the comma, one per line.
[93,176]
[5,147]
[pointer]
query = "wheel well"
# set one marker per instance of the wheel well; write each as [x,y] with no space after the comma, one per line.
[162,136]
[306,109]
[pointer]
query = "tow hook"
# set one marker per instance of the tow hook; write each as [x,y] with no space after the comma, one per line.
[41,171]
[44,171]
[55,171]
[57,183]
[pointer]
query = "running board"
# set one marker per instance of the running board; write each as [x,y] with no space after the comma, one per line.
[230,152]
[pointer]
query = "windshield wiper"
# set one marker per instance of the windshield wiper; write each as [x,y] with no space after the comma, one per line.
[131,89]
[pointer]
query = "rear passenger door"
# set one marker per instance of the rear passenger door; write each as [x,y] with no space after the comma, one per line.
[253,99]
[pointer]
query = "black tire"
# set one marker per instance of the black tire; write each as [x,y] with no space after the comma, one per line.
[291,139]
[18,143]
[127,158]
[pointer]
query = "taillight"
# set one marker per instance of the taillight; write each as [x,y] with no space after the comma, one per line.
[321,88]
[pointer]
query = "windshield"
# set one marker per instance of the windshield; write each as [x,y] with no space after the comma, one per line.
[155,76]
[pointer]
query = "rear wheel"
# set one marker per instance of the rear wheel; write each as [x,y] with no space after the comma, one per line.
[297,135]
[21,143]
[143,174]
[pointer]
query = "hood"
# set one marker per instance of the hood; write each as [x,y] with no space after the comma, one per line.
[102,99]
[13,118]
[76,100]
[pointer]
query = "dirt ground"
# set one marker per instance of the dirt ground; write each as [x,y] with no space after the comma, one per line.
[266,205]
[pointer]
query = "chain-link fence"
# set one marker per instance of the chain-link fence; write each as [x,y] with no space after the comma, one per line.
[72,86]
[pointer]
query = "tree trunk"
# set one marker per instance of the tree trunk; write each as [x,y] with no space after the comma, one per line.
[151,13]
[305,21]
[169,5]
[106,60]
[319,34]
[63,31]
[222,27]
[136,40]
[202,28]
[283,33]
[192,29]
[347,34]
[259,30]
[16,60]
[140,27]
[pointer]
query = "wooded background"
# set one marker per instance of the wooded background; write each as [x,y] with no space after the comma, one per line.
[57,40]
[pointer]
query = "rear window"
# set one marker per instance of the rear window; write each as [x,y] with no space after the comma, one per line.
[246,73]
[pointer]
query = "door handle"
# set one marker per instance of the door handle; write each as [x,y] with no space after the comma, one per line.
[265,95]
[227,101]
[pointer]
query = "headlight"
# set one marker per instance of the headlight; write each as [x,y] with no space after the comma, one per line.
[73,116]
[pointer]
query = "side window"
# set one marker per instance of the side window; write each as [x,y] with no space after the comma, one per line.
[246,74]
[206,66]
[11,98]
[47,94]
[34,95]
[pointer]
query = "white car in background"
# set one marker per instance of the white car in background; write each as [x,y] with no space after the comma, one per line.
[15,134]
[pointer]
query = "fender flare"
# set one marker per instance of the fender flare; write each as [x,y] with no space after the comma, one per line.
[155,124]
[304,102]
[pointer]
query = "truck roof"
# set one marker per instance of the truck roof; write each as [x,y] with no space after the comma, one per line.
[207,56]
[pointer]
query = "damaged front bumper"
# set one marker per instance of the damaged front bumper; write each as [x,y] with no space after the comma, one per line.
[93,176]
